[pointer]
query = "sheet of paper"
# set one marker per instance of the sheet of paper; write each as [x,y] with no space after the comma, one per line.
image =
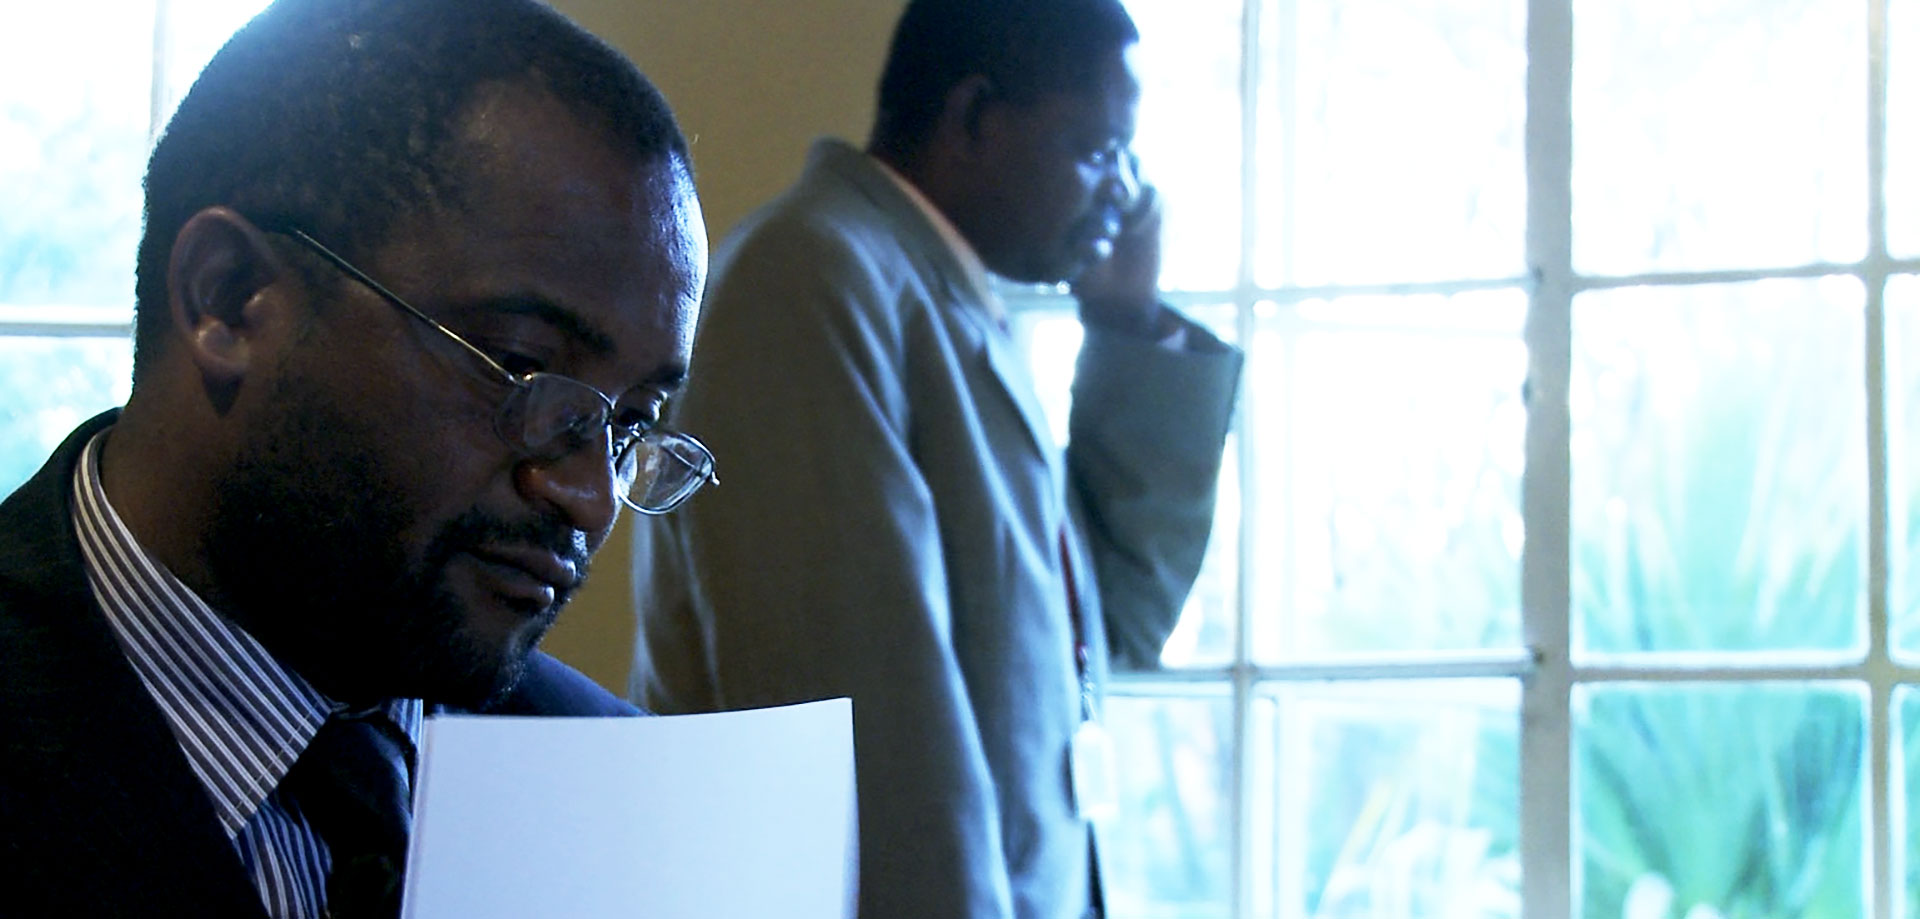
[741,815]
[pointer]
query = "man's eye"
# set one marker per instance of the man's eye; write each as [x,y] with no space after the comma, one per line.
[1103,153]
[637,421]
[626,436]
[516,363]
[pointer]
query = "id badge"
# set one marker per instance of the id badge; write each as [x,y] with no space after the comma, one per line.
[1096,784]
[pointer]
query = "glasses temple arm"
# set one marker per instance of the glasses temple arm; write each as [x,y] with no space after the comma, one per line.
[349,270]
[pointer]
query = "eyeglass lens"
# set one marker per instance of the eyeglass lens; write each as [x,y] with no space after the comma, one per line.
[548,414]
[667,470]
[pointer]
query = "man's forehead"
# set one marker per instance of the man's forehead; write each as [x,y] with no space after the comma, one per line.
[1107,94]
[557,224]
[515,132]
[1101,116]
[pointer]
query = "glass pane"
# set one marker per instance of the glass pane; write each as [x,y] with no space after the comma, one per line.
[1390,141]
[195,30]
[1903,127]
[47,387]
[1388,801]
[1167,855]
[1389,433]
[1718,801]
[1906,795]
[1051,341]
[1189,134]
[1204,635]
[1903,462]
[1717,134]
[74,100]
[1719,474]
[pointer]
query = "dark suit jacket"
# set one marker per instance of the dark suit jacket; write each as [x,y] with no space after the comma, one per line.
[99,813]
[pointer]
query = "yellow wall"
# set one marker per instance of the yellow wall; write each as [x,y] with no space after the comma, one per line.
[753,82]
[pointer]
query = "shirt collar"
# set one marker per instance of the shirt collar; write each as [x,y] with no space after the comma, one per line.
[241,717]
[978,278]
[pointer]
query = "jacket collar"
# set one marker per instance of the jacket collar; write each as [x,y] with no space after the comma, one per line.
[837,162]
[100,801]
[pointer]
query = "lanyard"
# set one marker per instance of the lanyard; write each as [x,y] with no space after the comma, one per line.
[1082,656]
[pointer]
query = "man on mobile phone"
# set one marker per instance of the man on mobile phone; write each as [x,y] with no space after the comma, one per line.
[898,524]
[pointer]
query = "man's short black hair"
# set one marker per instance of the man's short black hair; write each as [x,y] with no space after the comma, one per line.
[339,116]
[1025,47]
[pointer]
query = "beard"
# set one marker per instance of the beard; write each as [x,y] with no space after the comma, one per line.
[306,552]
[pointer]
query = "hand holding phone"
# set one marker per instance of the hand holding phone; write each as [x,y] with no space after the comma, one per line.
[1122,289]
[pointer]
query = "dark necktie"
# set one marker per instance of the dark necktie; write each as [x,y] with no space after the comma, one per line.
[352,783]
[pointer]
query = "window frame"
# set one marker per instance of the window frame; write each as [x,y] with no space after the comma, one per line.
[55,320]
[1546,671]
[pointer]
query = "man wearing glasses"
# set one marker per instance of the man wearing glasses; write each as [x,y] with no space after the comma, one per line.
[898,525]
[417,281]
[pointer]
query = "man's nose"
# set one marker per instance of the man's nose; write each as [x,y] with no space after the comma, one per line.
[579,483]
[1122,186]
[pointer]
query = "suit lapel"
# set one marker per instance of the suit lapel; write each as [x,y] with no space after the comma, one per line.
[963,305]
[1009,369]
[98,797]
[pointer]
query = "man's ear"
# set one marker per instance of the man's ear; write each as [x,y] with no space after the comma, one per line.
[966,103]
[220,266]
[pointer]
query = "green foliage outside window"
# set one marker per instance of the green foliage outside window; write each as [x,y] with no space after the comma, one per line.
[1719,514]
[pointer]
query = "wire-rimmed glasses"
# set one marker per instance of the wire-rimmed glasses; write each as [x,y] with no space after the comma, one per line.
[549,415]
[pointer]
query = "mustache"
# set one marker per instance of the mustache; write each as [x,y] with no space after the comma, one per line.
[476,529]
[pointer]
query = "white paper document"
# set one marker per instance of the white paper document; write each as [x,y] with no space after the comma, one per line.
[741,815]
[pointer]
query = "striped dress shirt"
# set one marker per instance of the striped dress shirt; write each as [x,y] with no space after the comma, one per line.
[240,716]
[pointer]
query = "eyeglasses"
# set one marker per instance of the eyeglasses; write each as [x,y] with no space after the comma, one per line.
[548,416]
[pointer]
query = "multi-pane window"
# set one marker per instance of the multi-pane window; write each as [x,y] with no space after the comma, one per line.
[1568,555]
[85,85]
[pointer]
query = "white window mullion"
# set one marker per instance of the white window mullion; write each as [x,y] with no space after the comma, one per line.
[1251,869]
[1885,885]
[1546,820]
[158,92]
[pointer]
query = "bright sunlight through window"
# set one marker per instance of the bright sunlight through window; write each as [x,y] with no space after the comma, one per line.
[84,87]
[1568,555]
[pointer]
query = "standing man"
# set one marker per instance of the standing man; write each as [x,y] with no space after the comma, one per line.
[898,526]
[418,277]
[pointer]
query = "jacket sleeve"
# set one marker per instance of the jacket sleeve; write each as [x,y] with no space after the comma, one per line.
[819,566]
[1145,437]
